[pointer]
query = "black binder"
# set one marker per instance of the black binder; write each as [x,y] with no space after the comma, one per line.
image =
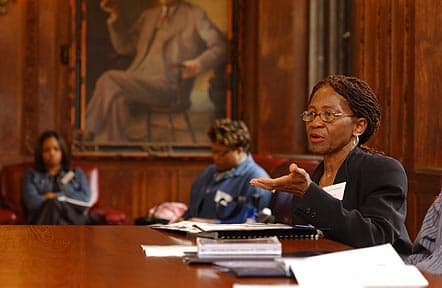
[295,232]
[241,231]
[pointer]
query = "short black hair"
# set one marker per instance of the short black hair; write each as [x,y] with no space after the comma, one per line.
[38,153]
[230,133]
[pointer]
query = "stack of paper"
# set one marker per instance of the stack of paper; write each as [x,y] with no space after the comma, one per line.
[168,250]
[180,248]
[260,247]
[188,227]
[377,266]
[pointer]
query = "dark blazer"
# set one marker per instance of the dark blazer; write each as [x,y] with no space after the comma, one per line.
[373,208]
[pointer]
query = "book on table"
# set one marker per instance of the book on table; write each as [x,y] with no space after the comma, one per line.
[261,247]
[241,231]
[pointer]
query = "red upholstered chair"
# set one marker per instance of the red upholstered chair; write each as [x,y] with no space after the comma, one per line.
[281,204]
[274,166]
[11,207]
[7,217]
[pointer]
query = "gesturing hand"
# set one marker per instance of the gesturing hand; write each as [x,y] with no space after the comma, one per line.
[296,182]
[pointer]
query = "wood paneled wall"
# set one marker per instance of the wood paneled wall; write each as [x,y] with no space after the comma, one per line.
[11,81]
[34,85]
[427,106]
[395,48]
[274,74]
[135,186]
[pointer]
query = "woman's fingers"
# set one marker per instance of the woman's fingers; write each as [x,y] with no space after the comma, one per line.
[264,183]
[296,182]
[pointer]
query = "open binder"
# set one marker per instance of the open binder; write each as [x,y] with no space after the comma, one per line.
[242,231]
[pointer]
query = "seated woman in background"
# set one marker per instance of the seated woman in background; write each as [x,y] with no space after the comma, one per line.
[427,248]
[357,196]
[51,178]
[222,193]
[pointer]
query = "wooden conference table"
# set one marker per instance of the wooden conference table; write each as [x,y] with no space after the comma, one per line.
[111,256]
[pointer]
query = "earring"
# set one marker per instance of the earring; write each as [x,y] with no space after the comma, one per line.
[356,141]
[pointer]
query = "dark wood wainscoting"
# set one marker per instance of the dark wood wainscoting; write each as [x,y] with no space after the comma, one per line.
[396,49]
[135,186]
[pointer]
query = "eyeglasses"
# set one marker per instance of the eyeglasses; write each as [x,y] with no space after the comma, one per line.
[220,153]
[326,116]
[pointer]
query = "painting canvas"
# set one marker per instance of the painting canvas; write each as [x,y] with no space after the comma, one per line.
[149,78]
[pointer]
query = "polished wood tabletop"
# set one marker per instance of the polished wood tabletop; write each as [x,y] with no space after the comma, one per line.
[111,256]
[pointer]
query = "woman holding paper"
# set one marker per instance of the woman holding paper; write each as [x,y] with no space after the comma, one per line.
[50,180]
[356,195]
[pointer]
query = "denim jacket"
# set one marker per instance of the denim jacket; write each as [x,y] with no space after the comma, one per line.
[36,184]
[235,183]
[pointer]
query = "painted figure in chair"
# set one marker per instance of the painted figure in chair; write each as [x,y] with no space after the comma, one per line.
[171,44]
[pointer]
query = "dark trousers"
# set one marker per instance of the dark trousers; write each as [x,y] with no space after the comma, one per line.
[54,212]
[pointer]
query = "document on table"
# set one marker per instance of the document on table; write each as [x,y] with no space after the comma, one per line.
[194,227]
[236,285]
[189,227]
[377,266]
[168,250]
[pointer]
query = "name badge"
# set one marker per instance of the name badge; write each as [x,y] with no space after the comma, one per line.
[67,177]
[336,190]
[222,198]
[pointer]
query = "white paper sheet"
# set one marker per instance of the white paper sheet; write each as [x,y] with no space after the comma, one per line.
[168,250]
[235,285]
[336,190]
[377,266]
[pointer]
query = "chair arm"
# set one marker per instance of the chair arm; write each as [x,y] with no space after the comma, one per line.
[7,217]
[102,216]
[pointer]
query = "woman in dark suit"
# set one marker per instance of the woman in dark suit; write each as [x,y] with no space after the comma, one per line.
[356,195]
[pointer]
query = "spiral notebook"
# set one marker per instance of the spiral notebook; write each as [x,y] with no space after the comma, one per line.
[242,231]
[290,232]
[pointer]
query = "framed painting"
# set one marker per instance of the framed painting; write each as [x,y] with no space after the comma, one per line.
[150,76]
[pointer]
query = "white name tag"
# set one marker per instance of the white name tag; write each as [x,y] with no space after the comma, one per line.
[67,177]
[336,190]
[222,198]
